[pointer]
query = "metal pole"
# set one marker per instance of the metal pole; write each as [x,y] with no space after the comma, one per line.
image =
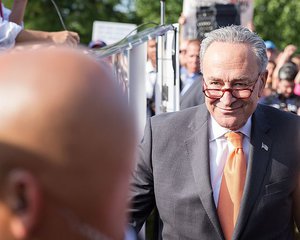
[162,12]
[160,81]
[137,89]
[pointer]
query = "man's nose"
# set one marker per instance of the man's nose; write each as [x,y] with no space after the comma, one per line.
[227,99]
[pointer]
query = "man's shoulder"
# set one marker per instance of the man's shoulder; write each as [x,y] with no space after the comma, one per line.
[180,118]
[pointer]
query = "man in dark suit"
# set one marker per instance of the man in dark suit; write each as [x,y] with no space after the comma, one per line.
[189,168]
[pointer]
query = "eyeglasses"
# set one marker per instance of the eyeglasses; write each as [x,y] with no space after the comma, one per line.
[239,93]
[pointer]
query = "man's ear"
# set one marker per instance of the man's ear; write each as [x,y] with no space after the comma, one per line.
[263,78]
[24,200]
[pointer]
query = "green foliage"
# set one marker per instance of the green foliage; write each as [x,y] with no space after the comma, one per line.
[279,21]
[78,15]
[149,10]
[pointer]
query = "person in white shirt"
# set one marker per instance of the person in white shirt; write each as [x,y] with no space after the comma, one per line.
[12,31]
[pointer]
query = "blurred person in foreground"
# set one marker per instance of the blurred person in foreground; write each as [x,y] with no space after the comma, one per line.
[226,169]
[284,98]
[62,119]
[12,31]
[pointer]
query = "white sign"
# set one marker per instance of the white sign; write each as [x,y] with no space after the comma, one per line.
[111,32]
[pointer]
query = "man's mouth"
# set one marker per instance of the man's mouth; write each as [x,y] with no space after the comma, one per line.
[229,109]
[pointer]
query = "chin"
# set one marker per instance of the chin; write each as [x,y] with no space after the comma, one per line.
[232,124]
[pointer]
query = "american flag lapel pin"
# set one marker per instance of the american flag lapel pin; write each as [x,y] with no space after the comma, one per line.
[264,146]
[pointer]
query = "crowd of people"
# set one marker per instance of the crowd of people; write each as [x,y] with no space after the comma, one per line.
[283,84]
[223,167]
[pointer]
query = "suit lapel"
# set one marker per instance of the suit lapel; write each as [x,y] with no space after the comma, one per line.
[198,154]
[259,154]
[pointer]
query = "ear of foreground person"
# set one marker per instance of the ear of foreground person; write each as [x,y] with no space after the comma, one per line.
[66,147]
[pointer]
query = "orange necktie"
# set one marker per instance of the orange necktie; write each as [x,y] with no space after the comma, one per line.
[232,185]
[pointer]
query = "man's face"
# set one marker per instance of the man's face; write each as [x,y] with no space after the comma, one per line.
[182,52]
[270,67]
[227,66]
[192,58]
[271,54]
[151,51]
[286,88]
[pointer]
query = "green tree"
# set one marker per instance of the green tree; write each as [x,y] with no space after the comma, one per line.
[149,11]
[278,20]
[78,15]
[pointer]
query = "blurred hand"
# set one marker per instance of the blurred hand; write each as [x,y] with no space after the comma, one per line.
[289,50]
[65,37]
[182,19]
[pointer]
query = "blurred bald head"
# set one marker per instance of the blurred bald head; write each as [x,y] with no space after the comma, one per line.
[66,147]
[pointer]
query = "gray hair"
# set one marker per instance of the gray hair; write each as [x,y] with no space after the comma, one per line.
[237,34]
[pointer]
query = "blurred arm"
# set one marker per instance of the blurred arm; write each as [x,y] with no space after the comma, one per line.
[18,11]
[62,37]
[284,57]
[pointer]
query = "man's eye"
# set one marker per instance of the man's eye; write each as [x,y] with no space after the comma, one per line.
[215,84]
[240,85]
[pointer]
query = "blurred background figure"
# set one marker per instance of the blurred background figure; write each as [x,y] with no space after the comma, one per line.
[284,98]
[151,76]
[182,55]
[191,77]
[62,118]
[268,90]
[270,67]
[12,31]
[296,60]
[271,50]
[282,57]
[192,65]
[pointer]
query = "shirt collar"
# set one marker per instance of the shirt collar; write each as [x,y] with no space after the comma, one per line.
[217,131]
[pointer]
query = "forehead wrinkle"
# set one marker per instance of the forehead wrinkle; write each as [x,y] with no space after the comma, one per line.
[243,78]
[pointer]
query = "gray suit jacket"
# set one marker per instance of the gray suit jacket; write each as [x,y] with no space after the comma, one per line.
[194,95]
[172,172]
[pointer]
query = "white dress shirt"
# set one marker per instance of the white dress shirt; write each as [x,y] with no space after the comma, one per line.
[8,31]
[151,76]
[219,150]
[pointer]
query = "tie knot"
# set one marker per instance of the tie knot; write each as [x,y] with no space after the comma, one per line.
[236,139]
